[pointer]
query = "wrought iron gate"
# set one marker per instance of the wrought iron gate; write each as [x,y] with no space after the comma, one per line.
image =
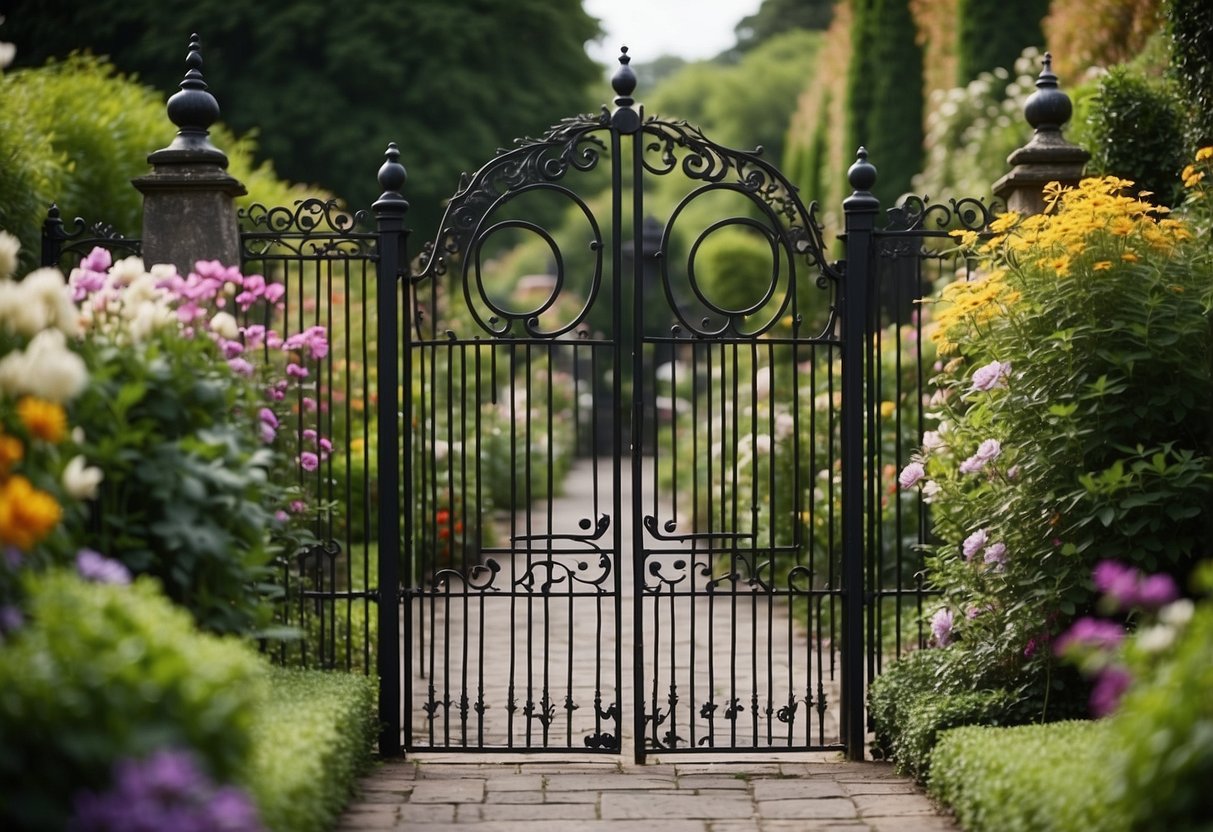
[692,416]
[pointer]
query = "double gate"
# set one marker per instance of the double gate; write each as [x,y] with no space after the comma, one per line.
[622,477]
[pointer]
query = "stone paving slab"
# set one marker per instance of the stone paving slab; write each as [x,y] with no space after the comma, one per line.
[833,796]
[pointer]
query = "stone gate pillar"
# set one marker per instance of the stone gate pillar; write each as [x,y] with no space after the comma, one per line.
[188,208]
[1047,157]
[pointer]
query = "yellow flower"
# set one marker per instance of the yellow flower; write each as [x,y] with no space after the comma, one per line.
[1061,265]
[1192,176]
[1204,153]
[887,409]
[1005,222]
[1102,266]
[43,419]
[11,451]
[1121,226]
[26,514]
[1129,257]
[967,239]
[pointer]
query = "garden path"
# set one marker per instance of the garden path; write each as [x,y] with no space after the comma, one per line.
[561,791]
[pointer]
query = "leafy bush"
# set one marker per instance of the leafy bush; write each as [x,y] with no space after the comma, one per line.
[1074,424]
[311,739]
[76,133]
[102,672]
[909,715]
[1032,778]
[1135,131]
[1190,23]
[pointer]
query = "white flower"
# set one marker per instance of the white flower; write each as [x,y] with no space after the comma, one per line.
[1177,613]
[9,246]
[125,271]
[930,490]
[46,369]
[1156,639]
[784,425]
[225,326]
[990,376]
[974,543]
[931,440]
[80,480]
[911,475]
[47,289]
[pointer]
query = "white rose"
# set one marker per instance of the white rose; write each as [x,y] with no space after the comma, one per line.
[224,325]
[9,246]
[47,369]
[126,270]
[80,480]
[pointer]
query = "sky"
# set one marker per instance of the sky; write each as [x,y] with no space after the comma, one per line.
[690,29]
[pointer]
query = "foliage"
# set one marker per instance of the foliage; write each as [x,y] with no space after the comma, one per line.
[972,129]
[76,132]
[1190,23]
[884,93]
[909,716]
[98,673]
[311,739]
[1135,131]
[937,21]
[1098,33]
[1032,778]
[1073,423]
[777,16]
[166,790]
[990,33]
[312,77]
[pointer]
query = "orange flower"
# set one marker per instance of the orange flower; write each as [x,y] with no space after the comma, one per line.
[26,514]
[11,451]
[43,419]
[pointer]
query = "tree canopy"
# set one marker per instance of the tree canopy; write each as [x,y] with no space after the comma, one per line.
[327,85]
[777,16]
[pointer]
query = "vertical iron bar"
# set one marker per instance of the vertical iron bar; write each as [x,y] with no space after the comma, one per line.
[860,210]
[390,210]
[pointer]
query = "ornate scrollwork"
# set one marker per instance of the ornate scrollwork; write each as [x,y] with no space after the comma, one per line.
[918,214]
[85,236]
[787,713]
[480,577]
[311,228]
[602,739]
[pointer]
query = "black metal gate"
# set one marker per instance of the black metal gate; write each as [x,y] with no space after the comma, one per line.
[626,463]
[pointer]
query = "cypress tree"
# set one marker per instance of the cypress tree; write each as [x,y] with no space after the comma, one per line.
[992,33]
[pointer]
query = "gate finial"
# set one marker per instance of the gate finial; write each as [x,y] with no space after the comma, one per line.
[625,119]
[194,109]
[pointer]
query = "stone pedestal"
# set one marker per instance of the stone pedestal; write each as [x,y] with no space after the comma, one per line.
[1047,157]
[189,213]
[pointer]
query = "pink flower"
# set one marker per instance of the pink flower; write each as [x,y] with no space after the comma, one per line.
[268,416]
[281,516]
[98,260]
[298,506]
[253,336]
[911,475]
[308,461]
[326,447]
[274,292]
[231,349]
[941,626]
[987,452]
[309,435]
[296,371]
[268,434]
[241,367]
[313,341]
[974,543]
[996,555]
[1128,587]
[1109,688]
[1091,633]
[990,376]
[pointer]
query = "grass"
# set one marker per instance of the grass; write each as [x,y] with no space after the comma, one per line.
[311,739]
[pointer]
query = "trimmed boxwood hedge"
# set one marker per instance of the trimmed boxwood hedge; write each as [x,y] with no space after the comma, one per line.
[312,738]
[1031,778]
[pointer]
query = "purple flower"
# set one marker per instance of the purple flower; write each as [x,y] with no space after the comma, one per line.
[987,452]
[308,461]
[294,370]
[13,558]
[93,566]
[10,618]
[974,543]
[268,417]
[941,626]
[990,376]
[281,516]
[911,475]
[313,341]
[309,435]
[996,555]
[231,349]
[241,367]
[1110,686]
[268,434]
[166,791]
[1091,633]
[1127,587]
[1157,591]
[98,260]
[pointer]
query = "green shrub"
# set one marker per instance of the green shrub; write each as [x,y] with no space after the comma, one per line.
[908,714]
[103,672]
[311,739]
[1190,24]
[1135,131]
[1032,778]
[76,132]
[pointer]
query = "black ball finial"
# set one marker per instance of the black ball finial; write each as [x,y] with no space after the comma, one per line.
[193,108]
[862,174]
[1048,108]
[392,174]
[624,79]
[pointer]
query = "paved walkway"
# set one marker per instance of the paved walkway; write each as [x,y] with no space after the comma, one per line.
[563,790]
[817,794]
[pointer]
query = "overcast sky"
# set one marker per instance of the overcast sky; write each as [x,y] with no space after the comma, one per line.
[690,29]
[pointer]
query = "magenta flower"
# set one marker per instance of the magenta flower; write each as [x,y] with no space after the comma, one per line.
[98,260]
[241,367]
[309,461]
[911,475]
[268,416]
[268,433]
[1127,587]
[253,336]
[313,341]
[990,376]
[1110,686]
[1091,633]
[941,626]
[309,435]
[1157,591]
